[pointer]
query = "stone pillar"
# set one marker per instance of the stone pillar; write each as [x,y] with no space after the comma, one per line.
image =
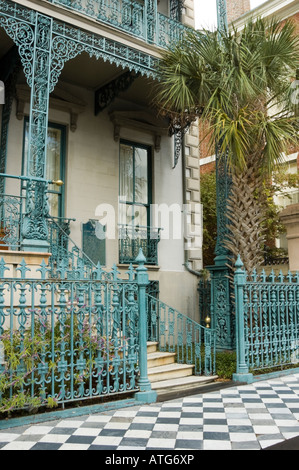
[290,218]
[193,245]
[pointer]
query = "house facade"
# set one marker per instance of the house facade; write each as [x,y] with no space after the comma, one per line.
[88,168]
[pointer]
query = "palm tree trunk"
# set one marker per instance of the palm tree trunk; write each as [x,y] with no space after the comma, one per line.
[246,215]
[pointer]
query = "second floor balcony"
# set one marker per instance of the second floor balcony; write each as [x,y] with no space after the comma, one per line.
[157,23]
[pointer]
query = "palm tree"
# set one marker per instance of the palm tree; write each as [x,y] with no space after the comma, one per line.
[239,84]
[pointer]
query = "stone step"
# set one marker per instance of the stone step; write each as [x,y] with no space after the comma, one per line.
[157,359]
[184,386]
[152,346]
[182,383]
[170,379]
[169,371]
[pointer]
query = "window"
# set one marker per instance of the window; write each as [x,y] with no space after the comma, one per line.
[55,165]
[134,185]
[134,204]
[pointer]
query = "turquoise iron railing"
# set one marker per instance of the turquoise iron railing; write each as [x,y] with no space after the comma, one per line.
[64,251]
[169,31]
[140,19]
[68,340]
[175,332]
[10,221]
[267,318]
[131,239]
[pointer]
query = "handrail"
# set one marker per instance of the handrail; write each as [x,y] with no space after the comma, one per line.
[59,240]
[175,332]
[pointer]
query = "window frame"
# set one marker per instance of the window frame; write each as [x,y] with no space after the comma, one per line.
[148,148]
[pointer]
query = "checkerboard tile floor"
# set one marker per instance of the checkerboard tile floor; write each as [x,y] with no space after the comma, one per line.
[248,417]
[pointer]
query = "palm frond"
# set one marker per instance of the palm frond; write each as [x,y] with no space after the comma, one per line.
[235,77]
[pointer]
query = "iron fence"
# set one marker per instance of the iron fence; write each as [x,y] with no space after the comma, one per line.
[267,318]
[67,340]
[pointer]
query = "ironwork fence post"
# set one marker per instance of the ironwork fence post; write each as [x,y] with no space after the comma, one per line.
[146,394]
[222,318]
[242,374]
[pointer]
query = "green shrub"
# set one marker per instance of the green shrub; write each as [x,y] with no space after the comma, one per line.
[226,363]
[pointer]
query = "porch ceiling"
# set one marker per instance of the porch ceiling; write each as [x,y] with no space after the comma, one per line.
[5,43]
[92,74]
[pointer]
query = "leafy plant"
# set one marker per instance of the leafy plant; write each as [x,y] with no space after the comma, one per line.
[26,376]
[226,364]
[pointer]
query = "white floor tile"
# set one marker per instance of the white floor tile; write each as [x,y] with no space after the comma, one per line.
[38,430]
[161,443]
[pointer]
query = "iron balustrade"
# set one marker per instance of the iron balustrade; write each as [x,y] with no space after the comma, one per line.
[140,19]
[11,208]
[267,318]
[131,239]
[65,254]
[169,31]
[175,332]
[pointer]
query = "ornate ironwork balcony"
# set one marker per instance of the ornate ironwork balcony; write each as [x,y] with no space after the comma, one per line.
[138,18]
[131,239]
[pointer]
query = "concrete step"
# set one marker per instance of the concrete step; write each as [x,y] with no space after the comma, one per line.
[169,371]
[182,383]
[186,386]
[157,359]
[170,379]
[152,346]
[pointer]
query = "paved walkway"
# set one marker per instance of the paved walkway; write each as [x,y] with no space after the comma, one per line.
[247,417]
